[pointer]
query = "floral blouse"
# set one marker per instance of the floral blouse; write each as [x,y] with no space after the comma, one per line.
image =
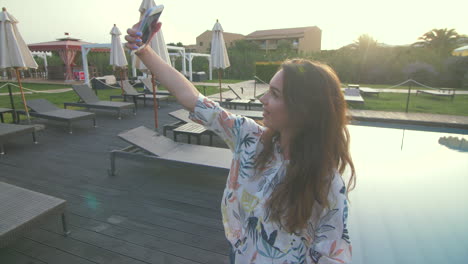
[254,238]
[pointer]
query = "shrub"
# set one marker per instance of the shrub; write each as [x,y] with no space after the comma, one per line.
[266,70]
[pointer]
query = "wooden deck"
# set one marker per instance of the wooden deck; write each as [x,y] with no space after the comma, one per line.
[410,118]
[149,213]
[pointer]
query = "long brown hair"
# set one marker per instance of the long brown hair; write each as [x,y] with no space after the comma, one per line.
[319,146]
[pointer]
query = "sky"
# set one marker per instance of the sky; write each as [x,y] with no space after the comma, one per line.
[397,22]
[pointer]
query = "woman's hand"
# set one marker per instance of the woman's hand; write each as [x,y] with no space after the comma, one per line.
[134,36]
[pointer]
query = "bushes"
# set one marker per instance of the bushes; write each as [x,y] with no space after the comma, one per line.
[375,64]
[266,70]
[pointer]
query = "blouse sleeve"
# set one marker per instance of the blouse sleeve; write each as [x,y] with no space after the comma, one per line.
[331,239]
[228,126]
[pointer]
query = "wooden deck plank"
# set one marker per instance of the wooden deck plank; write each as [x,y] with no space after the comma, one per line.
[156,243]
[98,248]
[209,244]
[78,247]
[8,255]
[47,253]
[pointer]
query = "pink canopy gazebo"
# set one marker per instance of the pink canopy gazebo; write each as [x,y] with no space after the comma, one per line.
[67,48]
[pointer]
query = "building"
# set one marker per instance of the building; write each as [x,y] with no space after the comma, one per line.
[304,39]
[204,41]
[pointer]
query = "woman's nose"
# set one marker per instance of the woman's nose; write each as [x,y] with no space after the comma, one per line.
[263,99]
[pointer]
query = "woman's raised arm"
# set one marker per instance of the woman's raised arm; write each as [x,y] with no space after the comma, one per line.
[184,91]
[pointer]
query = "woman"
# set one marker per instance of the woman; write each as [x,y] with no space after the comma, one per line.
[285,200]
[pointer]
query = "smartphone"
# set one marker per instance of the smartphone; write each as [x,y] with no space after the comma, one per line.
[151,16]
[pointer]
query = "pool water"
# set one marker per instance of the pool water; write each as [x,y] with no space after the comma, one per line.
[411,200]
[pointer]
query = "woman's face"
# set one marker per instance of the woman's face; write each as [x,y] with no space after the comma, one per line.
[274,108]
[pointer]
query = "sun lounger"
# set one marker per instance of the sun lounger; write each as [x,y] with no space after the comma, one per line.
[353,95]
[183,114]
[42,108]
[90,100]
[146,143]
[8,131]
[22,209]
[149,88]
[187,127]
[369,91]
[444,92]
[192,129]
[364,90]
[129,91]
[241,101]
[7,110]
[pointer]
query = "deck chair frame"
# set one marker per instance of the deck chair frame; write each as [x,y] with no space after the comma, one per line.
[7,110]
[8,131]
[146,143]
[240,101]
[443,92]
[42,108]
[353,95]
[90,101]
[130,91]
[22,209]
[186,126]
[147,83]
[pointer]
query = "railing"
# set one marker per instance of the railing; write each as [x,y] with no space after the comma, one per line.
[256,79]
[259,80]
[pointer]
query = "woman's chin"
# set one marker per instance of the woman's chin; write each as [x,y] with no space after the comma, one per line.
[266,123]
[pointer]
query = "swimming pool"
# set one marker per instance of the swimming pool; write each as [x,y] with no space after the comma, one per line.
[411,200]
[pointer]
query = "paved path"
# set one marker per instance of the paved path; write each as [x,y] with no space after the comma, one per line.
[44,91]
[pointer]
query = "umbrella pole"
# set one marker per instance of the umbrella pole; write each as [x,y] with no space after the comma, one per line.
[155,103]
[12,103]
[255,88]
[121,81]
[220,93]
[22,95]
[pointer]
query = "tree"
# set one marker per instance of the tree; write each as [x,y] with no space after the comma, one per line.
[366,47]
[243,55]
[364,43]
[178,44]
[443,41]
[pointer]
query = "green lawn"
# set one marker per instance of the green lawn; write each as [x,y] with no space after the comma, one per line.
[384,102]
[418,104]
[223,81]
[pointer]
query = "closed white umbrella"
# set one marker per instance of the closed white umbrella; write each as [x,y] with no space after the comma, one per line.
[117,54]
[14,52]
[158,44]
[219,56]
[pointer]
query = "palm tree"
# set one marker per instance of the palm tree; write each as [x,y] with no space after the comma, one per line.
[365,46]
[443,41]
[365,42]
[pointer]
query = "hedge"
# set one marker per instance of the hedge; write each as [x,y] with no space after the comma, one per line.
[266,70]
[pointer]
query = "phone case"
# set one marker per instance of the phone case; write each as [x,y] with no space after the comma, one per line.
[151,15]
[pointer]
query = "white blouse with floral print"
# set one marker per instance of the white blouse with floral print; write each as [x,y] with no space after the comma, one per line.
[254,238]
